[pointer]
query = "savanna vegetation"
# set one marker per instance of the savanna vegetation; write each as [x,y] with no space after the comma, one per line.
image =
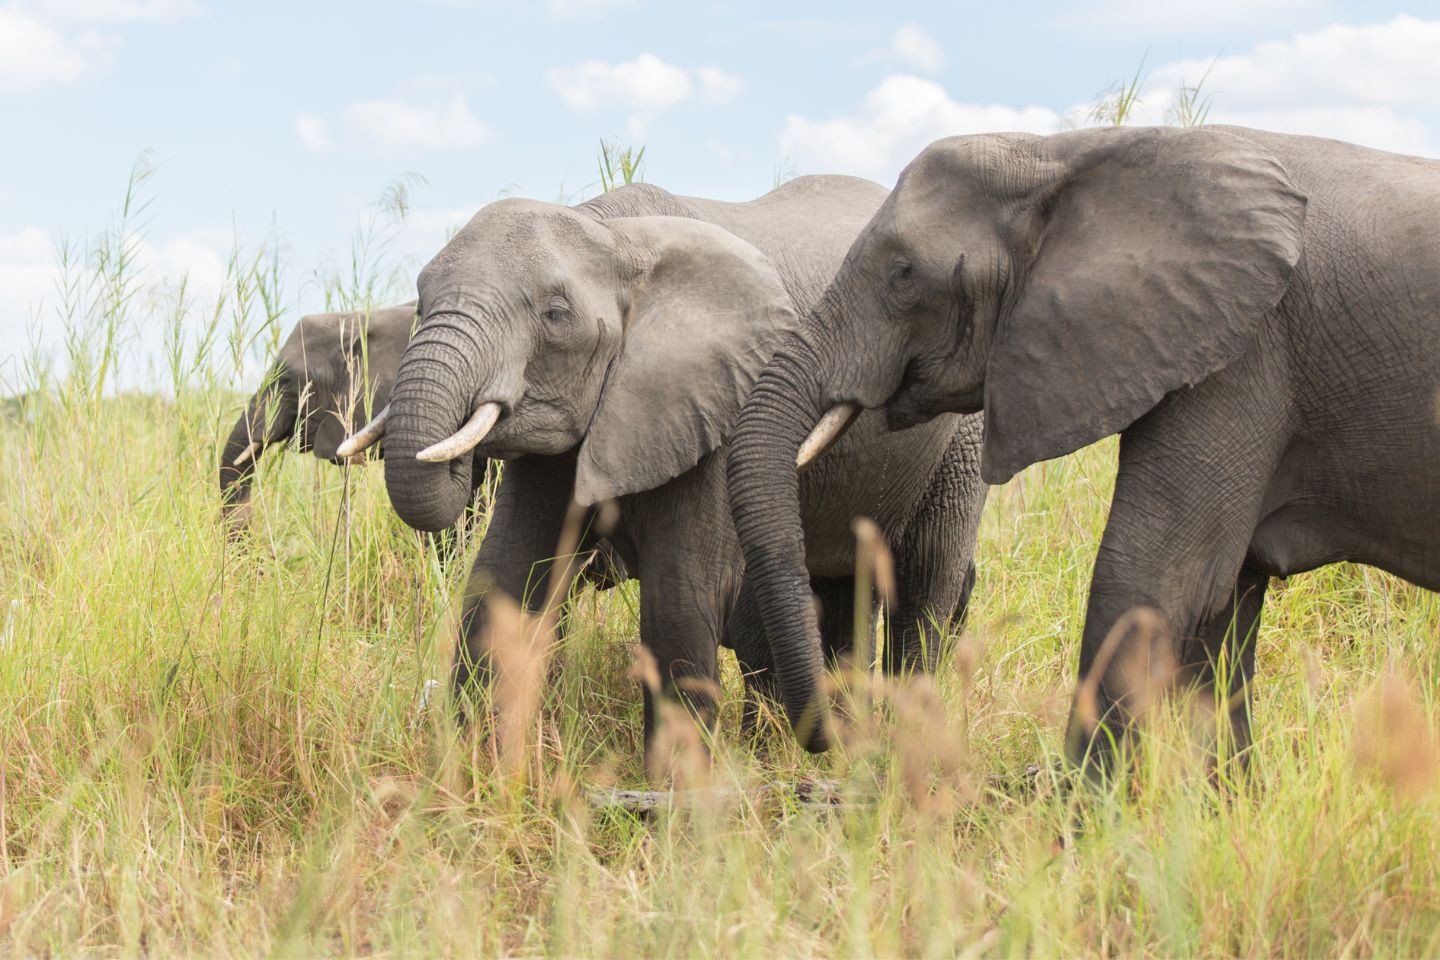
[214,748]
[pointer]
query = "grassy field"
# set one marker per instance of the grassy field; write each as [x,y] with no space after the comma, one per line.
[220,748]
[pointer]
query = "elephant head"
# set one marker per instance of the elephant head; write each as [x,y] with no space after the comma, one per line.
[1062,284]
[544,329]
[330,371]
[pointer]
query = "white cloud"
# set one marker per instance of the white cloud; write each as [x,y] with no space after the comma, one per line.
[194,256]
[437,124]
[1386,64]
[718,86]
[30,278]
[894,122]
[1153,19]
[1373,84]
[46,42]
[34,53]
[1377,127]
[910,46]
[645,83]
[313,131]
[430,112]
[120,11]
[644,86]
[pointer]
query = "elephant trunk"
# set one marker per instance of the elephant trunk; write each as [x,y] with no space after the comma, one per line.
[258,426]
[434,394]
[765,502]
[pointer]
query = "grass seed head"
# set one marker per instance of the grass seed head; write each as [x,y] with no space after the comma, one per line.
[1394,738]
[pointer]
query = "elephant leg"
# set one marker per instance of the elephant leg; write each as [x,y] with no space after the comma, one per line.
[516,559]
[1188,495]
[935,562]
[690,562]
[683,607]
[745,634]
[836,618]
[1224,649]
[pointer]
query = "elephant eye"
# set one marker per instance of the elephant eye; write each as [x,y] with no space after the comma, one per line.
[557,312]
[902,272]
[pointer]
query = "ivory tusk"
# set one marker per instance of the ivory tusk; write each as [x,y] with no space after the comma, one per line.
[364,438]
[465,439]
[246,454]
[835,422]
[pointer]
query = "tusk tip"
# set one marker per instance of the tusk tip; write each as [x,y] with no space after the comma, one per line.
[467,438]
[827,430]
[246,455]
[364,438]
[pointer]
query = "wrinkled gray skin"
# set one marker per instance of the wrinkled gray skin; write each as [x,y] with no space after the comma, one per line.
[1257,315]
[620,338]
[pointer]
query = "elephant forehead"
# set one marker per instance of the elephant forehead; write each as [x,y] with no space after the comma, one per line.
[551,239]
[530,224]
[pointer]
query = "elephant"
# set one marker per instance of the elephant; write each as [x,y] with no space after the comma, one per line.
[1256,315]
[603,352]
[316,387]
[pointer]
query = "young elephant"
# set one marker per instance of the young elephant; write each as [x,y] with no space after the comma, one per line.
[604,356]
[316,387]
[1257,315]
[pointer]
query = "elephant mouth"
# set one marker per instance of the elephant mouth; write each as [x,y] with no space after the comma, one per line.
[920,399]
[530,427]
[908,406]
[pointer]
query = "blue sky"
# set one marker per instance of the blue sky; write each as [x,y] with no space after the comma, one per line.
[291,117]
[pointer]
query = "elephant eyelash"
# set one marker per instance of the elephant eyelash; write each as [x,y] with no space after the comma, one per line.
[903,293]
[556,312]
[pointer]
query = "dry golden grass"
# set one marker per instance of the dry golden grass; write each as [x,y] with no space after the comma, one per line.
[217,749]
[220,749]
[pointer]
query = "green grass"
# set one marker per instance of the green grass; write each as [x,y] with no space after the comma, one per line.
[217,748]
[214,748]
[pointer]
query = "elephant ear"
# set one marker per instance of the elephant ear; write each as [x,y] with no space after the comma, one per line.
[1159,252]
[378,341]
[704,310]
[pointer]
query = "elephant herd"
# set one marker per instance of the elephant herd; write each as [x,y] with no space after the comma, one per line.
[1256,315]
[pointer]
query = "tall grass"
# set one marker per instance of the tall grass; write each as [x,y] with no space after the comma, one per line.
[219,748]
[619,165]
[1115,105]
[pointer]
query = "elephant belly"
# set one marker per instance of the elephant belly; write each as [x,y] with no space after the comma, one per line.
[1347,506]
[871,472]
